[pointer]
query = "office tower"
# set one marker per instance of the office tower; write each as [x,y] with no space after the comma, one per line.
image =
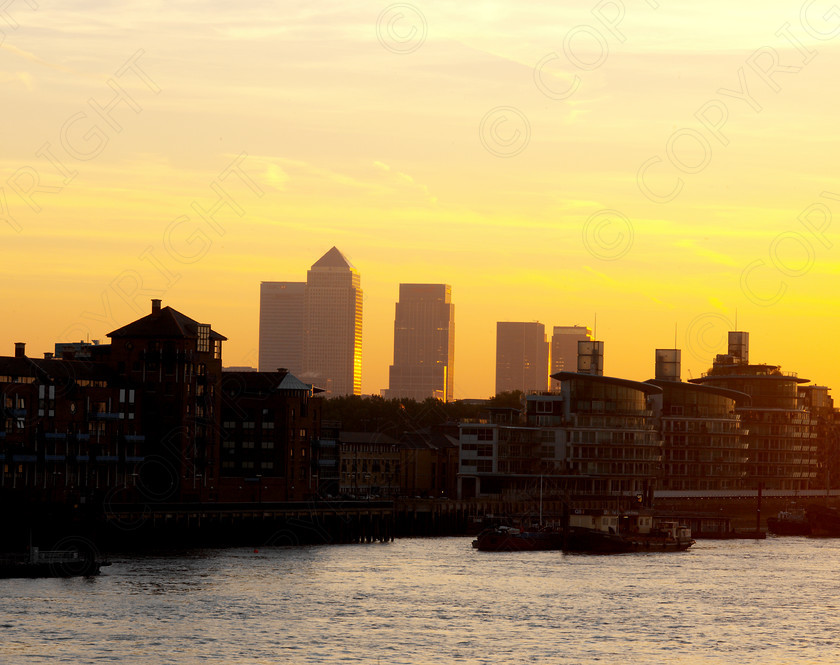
[424,343]
[521,357]
[332,326]
[281,326]
[564,349]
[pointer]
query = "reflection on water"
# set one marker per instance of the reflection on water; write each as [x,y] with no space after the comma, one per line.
[424,601]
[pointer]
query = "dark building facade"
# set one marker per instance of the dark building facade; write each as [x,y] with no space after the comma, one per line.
[597,437]
[270,438]
[71,430]
[151,418]
[782,451]
[704,445]
[175,364]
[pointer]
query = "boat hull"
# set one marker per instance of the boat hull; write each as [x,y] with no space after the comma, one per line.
[48,566]
[491,540]
[824,522]
[600,542]
[782,527]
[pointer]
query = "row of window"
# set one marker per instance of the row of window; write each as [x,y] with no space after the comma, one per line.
[247,464]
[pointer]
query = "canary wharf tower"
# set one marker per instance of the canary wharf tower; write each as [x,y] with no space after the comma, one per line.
[332,334]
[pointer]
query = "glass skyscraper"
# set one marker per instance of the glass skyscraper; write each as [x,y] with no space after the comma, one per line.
[424,343]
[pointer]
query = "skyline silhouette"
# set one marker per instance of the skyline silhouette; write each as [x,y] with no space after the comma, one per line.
[654,164]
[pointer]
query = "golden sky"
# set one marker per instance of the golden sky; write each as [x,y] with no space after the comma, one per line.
[662,165]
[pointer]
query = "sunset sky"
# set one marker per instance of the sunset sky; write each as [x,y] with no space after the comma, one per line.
[664,166]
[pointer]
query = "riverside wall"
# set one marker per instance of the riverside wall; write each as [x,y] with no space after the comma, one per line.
[178,526]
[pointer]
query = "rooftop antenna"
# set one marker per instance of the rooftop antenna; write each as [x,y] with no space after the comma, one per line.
[595,327]
[675,335]
[736,318]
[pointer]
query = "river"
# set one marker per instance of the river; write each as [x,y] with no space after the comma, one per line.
[417,601]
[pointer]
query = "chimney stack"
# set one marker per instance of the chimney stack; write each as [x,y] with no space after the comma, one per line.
[48,355]
[20,349]
[155,305]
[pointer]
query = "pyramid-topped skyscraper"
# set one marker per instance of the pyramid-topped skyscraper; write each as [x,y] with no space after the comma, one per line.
[332,332]
[315,327]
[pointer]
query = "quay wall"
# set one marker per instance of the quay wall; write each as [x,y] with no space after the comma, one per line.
[120,527]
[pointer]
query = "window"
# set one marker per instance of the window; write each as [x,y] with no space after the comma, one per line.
[203,338]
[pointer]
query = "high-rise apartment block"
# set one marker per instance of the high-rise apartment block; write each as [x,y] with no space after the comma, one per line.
[782,451]
[521,357]
[564,349]
[314,329]
[424,343]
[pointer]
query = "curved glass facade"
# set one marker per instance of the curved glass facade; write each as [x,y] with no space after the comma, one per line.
[782,452]
[612,433]
[705,447]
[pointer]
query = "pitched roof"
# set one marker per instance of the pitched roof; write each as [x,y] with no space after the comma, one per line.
[291,382]
[427,438]
[333,259]
[165,323]
[263,382]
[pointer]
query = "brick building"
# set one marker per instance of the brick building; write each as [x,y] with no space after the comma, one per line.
[151,418]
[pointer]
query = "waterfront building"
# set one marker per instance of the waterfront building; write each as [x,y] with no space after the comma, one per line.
[782,452]
[704,445]
[270,438]
[564,349]
[825,420]
[329,459]
[70,428]
[521,357]
[332,334]
[596,438]
[424,344]
[175,362]
[429,462]
[370,465]
[150,418]
[611,433]
[281,326]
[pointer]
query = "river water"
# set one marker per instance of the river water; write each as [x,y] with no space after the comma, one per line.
[436,601]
